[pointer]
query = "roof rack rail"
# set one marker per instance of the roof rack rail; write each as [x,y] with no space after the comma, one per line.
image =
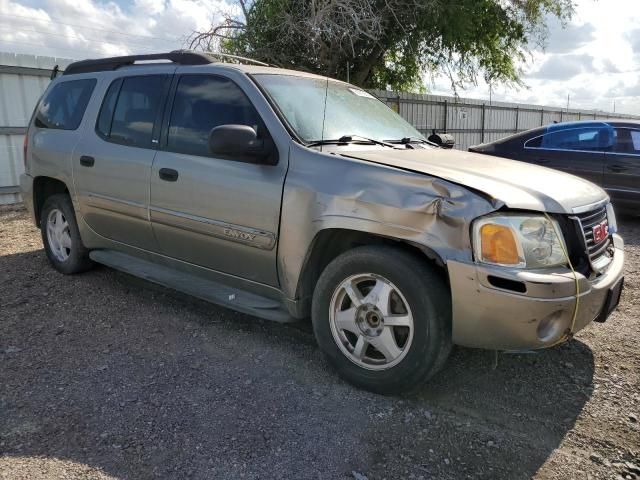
[236,57]
[181,57]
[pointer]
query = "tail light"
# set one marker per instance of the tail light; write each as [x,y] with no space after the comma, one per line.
[25,146]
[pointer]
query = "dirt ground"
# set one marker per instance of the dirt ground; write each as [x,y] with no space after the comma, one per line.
[103,376]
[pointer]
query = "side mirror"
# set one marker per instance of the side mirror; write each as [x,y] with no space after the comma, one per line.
[238,142]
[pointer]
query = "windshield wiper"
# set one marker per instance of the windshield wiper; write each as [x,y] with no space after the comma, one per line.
[347,139]
[408,140]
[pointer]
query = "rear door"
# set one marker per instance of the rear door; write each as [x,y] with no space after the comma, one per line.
[219,213]
[112,163]
[579,151]
[622,170]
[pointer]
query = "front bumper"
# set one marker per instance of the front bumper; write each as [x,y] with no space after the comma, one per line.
[485,316]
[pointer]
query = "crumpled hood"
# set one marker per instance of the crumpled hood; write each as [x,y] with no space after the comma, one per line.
[516,184]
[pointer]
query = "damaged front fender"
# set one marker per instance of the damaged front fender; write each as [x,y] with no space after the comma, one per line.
[324,191]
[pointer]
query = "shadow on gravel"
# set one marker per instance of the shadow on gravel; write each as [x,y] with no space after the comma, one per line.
[109,372]
[488,420]
[629,229]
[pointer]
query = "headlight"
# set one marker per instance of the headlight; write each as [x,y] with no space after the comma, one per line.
[520,241]
[611,219]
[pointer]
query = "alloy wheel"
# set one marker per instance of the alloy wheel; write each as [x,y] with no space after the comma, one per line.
[58,235]
[371,321]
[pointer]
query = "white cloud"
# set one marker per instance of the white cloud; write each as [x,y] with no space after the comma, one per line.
[564,67]
[595,61]
[83,28]
[634,39]
[569,37]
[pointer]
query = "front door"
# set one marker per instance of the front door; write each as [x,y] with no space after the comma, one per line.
[112,165]
[219,213]
[622,170]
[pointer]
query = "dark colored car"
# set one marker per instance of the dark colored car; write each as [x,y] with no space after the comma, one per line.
[605,152]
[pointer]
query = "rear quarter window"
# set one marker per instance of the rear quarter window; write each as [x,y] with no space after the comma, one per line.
[534,142]
[64,105]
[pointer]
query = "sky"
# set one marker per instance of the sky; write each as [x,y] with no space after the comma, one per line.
[594,60]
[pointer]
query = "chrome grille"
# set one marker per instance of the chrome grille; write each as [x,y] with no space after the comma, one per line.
[598,253]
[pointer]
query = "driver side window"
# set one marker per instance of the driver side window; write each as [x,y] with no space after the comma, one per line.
[201,103]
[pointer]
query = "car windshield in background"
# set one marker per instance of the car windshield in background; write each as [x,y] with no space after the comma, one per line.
[350,111]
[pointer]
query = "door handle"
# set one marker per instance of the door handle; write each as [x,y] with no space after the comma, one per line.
[87,161]
[617,168]
[541,161]
[168,174]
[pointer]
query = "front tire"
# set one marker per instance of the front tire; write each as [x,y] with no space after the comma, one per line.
[382,317]
[61,237]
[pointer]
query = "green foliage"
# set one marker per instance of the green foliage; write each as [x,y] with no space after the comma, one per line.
[393,43]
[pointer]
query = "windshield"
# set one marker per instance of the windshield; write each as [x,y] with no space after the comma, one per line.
[349,110]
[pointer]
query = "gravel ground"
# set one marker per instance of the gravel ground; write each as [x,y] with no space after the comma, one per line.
[104,376]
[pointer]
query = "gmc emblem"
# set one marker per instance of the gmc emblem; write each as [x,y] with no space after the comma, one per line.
[600,232]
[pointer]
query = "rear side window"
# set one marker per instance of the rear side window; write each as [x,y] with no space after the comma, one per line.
[63,106]
[586,139]
[201,103]
[627,141]
[130,110]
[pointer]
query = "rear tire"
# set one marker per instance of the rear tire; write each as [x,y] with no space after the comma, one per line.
[61,237]
[382,317]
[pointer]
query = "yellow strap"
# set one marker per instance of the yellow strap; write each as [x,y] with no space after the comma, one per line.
[567,334]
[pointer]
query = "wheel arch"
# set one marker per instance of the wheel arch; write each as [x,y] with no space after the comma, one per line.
[329,243]
[43,188]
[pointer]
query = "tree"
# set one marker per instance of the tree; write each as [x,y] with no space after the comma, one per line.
[388,43]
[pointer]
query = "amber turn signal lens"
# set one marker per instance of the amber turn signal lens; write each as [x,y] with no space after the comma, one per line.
[499,245]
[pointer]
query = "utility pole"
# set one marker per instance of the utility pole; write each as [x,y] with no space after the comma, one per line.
[567,103]
[614,106]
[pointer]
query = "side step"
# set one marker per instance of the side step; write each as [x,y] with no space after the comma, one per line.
[193,285]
